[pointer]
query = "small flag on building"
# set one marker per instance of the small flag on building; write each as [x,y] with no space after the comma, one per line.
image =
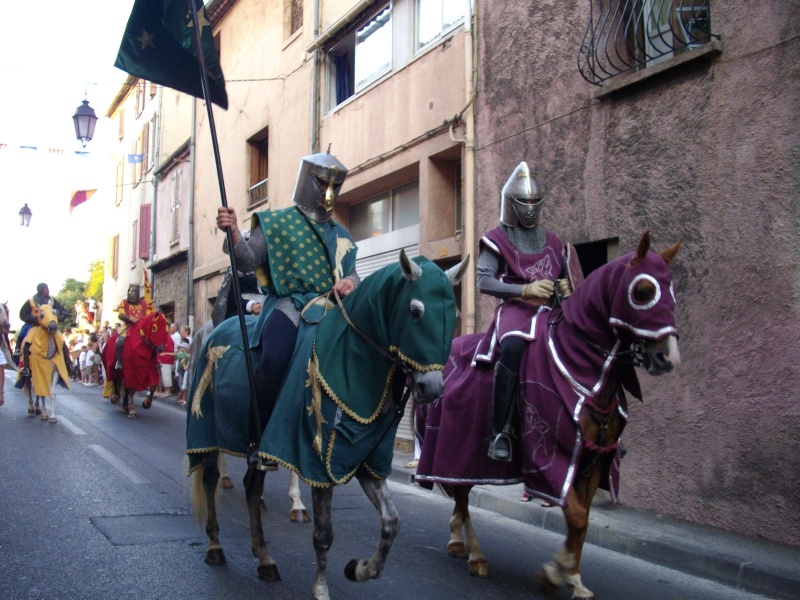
[79,197]
[158,45]
[134,159]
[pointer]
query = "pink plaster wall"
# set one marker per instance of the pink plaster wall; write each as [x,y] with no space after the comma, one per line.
[709,152]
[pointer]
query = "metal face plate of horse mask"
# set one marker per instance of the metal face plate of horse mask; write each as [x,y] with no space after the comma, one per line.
[318,183]
[521,199]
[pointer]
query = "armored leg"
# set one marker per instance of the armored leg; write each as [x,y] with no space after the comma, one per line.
[504,395]
[118,351]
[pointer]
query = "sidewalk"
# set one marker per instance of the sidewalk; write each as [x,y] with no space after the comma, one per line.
[731,559]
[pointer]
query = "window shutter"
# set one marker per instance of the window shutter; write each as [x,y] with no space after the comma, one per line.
[115,262]
[134,241]
[175,208]
[144,231]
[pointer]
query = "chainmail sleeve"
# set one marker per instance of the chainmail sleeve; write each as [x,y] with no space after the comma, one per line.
[488,283]
[250,253]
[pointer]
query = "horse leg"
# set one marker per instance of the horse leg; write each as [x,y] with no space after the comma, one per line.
[204,504]
[565,567]
[298,514]
[321,499]
[378,493]
[253,488]
[222,465]
[476,562]
[456,547]
[130,396]
[148,402]
[53,385]
[43,410]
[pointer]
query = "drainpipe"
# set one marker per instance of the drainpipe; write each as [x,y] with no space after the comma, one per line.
[314,84]
[469,281]
[190,253]
[154,203]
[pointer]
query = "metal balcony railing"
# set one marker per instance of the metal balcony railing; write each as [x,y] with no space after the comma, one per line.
[626,35]
[258,193]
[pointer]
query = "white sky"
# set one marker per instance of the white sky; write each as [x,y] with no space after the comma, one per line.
[52,56]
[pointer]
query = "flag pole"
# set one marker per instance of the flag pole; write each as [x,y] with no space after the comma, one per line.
[254,424]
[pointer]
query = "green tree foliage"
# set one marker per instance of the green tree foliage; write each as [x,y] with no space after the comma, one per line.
[72,291]
[94,287]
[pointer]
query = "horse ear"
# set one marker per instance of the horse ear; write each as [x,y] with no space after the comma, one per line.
[456,272]
[641,250]
[669,253]
[411,270]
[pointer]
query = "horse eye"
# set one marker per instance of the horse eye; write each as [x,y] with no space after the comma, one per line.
[417,309]
[643,292]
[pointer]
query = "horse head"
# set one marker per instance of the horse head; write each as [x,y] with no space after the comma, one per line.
[408,312]
[46,318]
[154,330]
[627,308]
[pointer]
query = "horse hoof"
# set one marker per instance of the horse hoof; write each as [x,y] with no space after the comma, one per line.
[299,516]
[227,484]
[479,567]
[147,403]
[457,550]
[215,557]
[350,570]
[43,417]
[269,573]
[31,411]
[547,586]
[38,411]
[114,399]
[53,420]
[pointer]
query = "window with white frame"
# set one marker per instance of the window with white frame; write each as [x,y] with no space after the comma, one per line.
[361,56]
[434,18]
[390,211]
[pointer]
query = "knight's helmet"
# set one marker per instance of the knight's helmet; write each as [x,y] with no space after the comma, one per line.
[133,293]
[521,199]
[318,183]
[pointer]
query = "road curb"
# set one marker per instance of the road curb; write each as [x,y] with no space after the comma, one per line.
[731,559]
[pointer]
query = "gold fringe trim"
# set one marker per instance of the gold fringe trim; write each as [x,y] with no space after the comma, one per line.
[341,404]
[417,366]
[211,449]
[316,405]
[213,354]
[347,477]
[306,480]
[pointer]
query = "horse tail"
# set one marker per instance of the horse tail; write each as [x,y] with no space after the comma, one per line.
[199,502]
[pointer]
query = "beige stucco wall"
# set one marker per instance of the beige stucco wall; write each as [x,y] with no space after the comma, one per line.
[268,86]
[707,152]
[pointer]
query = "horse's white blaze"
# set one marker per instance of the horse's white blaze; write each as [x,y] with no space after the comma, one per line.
[673,354]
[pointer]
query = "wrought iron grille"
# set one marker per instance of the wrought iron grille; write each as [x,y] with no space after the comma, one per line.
[626,35]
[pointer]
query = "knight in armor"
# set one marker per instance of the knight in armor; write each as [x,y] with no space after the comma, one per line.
[519,262]
[130,310]
[251,297]
[297,253]
[27,313]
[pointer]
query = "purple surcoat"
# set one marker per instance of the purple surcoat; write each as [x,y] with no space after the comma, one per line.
[515,317]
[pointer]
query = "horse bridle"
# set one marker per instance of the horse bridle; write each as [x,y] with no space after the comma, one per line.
[635,356]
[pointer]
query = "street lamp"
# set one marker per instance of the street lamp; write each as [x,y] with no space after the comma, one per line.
[84,120]
[25,216]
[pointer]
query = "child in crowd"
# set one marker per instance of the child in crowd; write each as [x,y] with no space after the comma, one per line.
[182,363]
[82,365]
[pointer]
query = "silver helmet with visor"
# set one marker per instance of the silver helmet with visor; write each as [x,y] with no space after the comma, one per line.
[318,183]
[521,199]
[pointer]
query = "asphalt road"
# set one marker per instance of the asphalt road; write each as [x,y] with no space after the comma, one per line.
[97,506]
